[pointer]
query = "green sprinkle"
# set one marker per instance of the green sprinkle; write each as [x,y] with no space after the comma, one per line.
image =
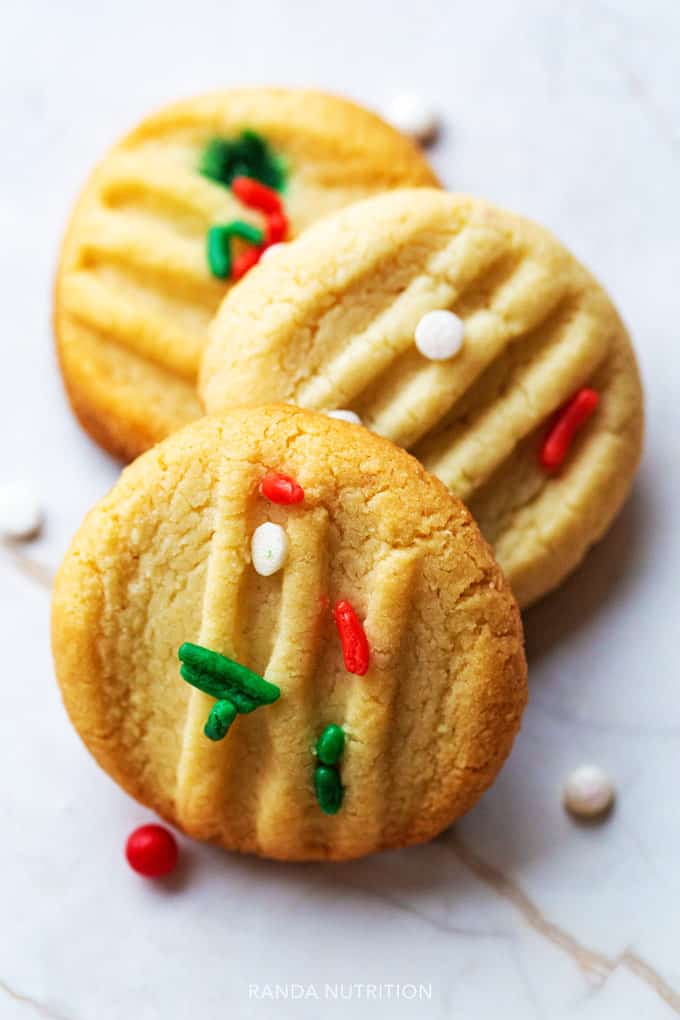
[330,744]
[214,162]
[218,248]
[218,252]
[236,687]
[248,155]
[225,676]
[328,789]
[207,683]
[239,228]
[220,719]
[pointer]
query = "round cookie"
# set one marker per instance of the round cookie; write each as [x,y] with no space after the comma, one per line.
[342,320]
[134,291]
[427,683]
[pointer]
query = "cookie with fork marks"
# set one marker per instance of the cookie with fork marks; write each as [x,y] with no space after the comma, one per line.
[173,215]
[361,697]
[468,335]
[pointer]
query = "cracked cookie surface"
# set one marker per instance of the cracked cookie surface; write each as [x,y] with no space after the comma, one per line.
[134,294]
[330,323]
[165,559]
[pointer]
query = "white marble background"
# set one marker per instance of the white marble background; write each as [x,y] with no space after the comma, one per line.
[569,112]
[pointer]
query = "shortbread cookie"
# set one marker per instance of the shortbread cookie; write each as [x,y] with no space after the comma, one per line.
[359,695]
[136,288]
[468,335]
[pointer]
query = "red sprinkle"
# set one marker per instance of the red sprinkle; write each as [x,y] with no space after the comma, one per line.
[281,489]
[276,228]
[352,637]
[569,421]
[256,195]
[245,261]
[151,851]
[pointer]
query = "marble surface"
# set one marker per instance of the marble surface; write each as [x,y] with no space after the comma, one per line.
[569,113]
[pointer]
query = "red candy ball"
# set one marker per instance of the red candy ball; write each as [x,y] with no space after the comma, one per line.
[151,851]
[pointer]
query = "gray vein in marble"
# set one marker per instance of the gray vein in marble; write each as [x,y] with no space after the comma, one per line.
[591,961]
[596,965]
[33,1004]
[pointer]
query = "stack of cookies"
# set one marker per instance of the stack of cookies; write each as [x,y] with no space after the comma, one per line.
[283,630]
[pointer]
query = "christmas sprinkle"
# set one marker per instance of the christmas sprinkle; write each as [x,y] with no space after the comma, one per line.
[222,715]
[236,688]
[256,195]
[255,175]
[328,789]
[276,229]
[249,155]
[327,785]
[245,261]
[330,744]
[219,244]
[570,419]
[352,637]
[439,335]
[269,548]
[342,415]
[281,489]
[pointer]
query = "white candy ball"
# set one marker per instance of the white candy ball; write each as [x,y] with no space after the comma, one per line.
[20,510]
[273,249]
[588,791]
[413,116]
[344,416]
[269,548]
[439,335]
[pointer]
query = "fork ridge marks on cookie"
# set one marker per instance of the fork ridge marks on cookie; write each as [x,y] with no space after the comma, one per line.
[165,559]
[134,294]
[332,324]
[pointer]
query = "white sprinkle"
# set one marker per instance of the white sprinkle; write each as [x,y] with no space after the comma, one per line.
[269,548]
[273,249]
[588,791]
[20,511]
[342,415]
[413,116]
[439,335]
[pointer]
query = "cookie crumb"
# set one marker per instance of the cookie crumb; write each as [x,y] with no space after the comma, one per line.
[588,792]
[20,511]
[411,114]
